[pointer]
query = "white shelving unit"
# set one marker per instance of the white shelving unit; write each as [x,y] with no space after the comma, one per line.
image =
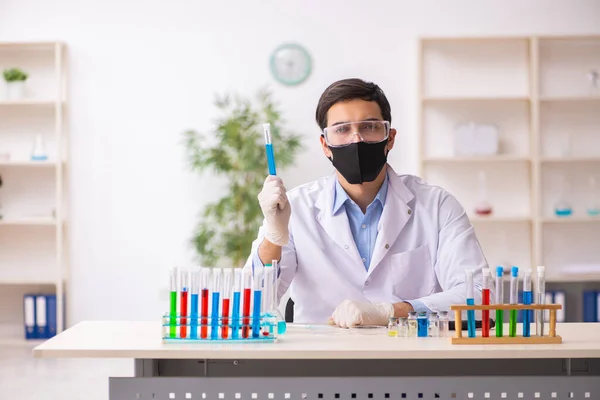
[33,195]
[535,91]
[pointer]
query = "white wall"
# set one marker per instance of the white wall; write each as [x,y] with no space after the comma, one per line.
[143,71]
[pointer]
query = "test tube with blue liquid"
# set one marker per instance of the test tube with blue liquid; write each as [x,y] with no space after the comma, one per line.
[269,149]
[237,290]
[216,288]
[257,283]
[514,299]
[527,299]
[470,302]
[194,314]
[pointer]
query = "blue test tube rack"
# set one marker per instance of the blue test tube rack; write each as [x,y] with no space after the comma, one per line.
[267,328]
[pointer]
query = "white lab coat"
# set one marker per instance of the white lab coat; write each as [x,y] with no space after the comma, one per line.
[425,242]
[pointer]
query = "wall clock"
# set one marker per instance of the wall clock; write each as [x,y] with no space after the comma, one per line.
[291,64]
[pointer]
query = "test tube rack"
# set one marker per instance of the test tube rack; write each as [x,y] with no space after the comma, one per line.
[181,329]
[551,338]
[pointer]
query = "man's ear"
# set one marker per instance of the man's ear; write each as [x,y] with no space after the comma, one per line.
[391,139]
[325,148]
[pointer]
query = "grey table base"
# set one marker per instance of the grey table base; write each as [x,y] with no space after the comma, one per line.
[360,379]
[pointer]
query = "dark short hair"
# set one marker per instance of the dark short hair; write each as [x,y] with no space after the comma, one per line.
[351,89]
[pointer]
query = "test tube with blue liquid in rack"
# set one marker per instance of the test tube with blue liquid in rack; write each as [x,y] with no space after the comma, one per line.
[257,283]
[237,290]
[195,276]
[470,302]
[269,149]
[216,288]
[527,299]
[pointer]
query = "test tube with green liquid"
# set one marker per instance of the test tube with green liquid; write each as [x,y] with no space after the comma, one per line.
[173,312]
[499,300]
[514,290]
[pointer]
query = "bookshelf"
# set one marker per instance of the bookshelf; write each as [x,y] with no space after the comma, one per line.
[535,90]
[33,195]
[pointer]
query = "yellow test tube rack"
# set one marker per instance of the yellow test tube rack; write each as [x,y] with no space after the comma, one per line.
[551,338]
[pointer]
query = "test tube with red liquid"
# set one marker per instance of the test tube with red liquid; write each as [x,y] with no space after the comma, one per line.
[247,283]
[226,293]
[485,300]
[204,302]
[183,305]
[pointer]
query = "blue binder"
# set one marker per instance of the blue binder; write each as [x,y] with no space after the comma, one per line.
[590,304]
[29,316]
[51,315]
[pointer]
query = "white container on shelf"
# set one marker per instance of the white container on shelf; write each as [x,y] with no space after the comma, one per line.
[15,90]
[473,139]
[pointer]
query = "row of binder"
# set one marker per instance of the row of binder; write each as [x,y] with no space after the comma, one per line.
[39,312]
[591,306]
[555,297]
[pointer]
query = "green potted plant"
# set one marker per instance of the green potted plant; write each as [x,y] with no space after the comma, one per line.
[235,151]
[15,83]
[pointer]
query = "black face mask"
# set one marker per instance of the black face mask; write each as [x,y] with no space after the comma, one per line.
[359,162]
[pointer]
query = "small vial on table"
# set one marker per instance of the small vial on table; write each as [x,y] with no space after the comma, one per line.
[402,327]
[434,329]
[444,324]
[392,329]
[412,324]
[422,330]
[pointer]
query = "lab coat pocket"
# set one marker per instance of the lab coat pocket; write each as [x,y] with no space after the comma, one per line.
[412,273]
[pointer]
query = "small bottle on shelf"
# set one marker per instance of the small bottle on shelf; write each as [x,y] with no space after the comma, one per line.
[593,204]
[444,323]
[434,327]
[402,327]
[412,324]
[483,207]
[392,328]
[563,207]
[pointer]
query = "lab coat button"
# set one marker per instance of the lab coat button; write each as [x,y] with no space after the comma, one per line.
[364,226]
[346,247]
[364,260]
[367,283]
[387,246]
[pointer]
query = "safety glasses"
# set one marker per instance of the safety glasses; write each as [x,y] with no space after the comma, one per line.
[371,131]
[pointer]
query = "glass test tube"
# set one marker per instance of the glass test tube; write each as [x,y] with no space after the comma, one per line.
[204,284]
[185,287]
[257,286]
[247,285]
[281,324]
[267,298]
[174,288]
[499,300]
[226,295]
[541,298]
[470,302]
[195,288]
[216,291]
[485,300]
[527,299]
[269,149]
[237,289]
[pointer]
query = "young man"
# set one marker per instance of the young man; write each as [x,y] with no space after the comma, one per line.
[365,244]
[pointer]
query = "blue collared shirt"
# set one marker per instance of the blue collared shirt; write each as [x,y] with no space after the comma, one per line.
[363,226]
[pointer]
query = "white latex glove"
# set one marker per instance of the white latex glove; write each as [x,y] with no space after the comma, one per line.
[352,313]
[276,210]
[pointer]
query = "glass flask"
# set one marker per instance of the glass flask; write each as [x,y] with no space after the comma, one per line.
[483,206]
[593,202]
[563,207]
